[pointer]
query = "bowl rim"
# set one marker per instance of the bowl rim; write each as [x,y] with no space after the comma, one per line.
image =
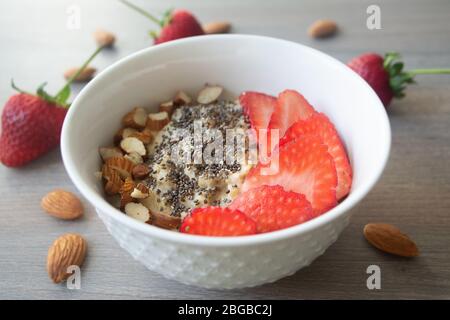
[100,203]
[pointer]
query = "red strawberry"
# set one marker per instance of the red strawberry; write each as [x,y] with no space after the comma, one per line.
[258,107]
[182,24]
[273,208]
[174,25]
[304,166]
[217,221]
[320,125]
[386,75]
[31,124]
[291,106]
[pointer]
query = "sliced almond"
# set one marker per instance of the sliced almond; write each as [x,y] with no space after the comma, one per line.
[137,211]
[104,38]
[124,133]
[146,136]
[390,239]
[141,171]
[322,28]
[67,250]
[122,165]
[216,27]
[109,152]
[165,221]
[62,204]
[132,144]
[113,182]
[135,158]
[137,118]
[157,121]
[84,75]
[209,94]
[125,192]
[140,191]
[181,99]
[168,107]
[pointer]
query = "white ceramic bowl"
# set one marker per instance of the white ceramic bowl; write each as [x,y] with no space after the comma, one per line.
[238,63]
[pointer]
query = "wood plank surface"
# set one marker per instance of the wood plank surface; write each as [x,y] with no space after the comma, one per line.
[414,192]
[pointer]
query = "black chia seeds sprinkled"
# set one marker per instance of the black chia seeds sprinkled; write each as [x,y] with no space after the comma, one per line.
[222,115]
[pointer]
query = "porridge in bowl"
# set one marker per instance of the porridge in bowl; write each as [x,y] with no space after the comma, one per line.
[217,168]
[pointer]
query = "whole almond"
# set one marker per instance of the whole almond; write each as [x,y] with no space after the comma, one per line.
[67,250]
[62,204]
[84,76]
[104,38]
[390,239]
[322,28]
[217,27]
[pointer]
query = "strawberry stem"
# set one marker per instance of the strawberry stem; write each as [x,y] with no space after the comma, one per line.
[79,71]
[399,78]
[143,12]
[428,71]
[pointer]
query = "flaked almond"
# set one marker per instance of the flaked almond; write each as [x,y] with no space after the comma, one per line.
[113,182]
[85,75]
[157,121]
[322,28]
[209,94]
[122,165]
[125,192]
[168,107]
[137,211]
[165,221]
[132,144]
[146,136]
[109,152]
[67,250]
[140,171]
[390,239]
[124,133]
[104,38]
[181,99]
[136,118]
[217,27]
[140,191]
[135,158]
[62,204]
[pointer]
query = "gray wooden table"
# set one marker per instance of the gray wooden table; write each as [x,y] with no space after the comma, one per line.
[414,192]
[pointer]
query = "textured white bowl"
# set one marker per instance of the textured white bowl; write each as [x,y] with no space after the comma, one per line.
[238,62]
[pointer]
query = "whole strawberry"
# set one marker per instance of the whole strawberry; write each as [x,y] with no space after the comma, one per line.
[174,25]
[386,75]
[32,123]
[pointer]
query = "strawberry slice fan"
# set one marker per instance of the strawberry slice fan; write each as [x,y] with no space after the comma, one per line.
[173,24]
[386,75]
[312,161]
[32,123]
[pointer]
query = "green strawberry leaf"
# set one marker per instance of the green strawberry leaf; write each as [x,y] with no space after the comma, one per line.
[43,94]
[63,95]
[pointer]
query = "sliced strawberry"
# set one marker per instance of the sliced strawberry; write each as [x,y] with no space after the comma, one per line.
[273,208]
[258,107]
[304,166]
[291,106]
[217,221]
[320,125]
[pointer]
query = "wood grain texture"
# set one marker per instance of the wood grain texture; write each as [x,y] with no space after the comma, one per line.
[414,192]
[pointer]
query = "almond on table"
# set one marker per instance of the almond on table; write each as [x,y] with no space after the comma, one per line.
[67,250]
[62,204]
